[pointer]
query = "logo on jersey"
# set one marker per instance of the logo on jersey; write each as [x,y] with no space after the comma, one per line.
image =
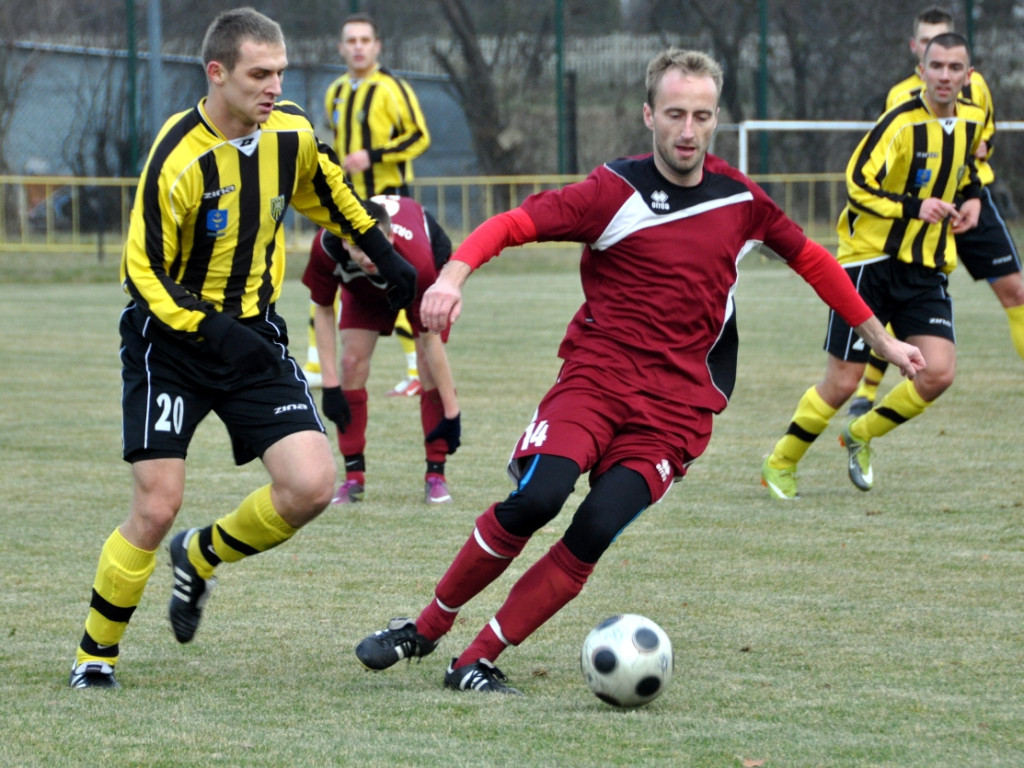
[216,222]
[664,469]
[403,232]
[277,206]
[659,200]
[922,177]
[219,192]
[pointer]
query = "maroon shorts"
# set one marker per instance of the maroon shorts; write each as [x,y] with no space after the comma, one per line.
[364,306]
[598,420]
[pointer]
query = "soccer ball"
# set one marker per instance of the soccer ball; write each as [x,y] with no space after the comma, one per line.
[627,660]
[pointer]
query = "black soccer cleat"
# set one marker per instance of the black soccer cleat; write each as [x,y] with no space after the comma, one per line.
[481,676]
[389,646]
[92,674]
[190,592]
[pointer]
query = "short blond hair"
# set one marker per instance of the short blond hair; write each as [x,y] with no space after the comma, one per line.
[695,63]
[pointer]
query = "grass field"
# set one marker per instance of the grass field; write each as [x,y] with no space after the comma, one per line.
[845,629]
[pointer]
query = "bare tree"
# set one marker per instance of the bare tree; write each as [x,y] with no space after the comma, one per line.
[15,73]
[493,139]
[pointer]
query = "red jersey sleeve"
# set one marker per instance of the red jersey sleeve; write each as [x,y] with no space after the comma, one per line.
[505,230]
[820,269]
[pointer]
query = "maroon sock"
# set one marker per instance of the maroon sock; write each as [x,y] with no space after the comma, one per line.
[353,439]
[431,413]
[539,594]
[483,558]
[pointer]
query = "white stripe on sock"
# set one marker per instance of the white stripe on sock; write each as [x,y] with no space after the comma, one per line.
[486,548]
[496,628]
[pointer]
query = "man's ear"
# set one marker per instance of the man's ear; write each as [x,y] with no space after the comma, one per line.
[215,72]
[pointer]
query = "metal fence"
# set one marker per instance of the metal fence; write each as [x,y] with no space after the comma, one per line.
[63,214]
[44,213]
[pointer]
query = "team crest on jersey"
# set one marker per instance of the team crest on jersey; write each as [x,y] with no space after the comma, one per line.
[216,222]
[277,206]
[659,200]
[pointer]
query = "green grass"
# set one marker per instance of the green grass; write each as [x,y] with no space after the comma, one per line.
[846,629]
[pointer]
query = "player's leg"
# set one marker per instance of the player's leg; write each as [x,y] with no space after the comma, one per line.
[357,346]
[813,413]
[499,536]
[925,319]
[431,414]
[988,252]
[410,385]
[1009,289]
[301,469]
[617,498]
[867,389]
[911,397]
[312,367]
[295,450]
[154,395]
[127,560]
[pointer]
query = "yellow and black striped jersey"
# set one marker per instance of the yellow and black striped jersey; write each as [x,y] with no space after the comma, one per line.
[909,156]
[975,91]
[207,223]
[382,115]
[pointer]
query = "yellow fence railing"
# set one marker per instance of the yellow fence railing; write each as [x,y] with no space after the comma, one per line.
[49,214]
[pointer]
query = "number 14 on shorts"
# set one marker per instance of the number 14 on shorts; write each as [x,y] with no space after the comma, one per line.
[535,434]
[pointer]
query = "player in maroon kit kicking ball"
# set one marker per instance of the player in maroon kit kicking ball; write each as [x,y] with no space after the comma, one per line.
[648,359]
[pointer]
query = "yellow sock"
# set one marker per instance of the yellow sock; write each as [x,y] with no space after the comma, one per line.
[254,527]
[403,330]
[900,405]
[312,356]
[1016,317]
[809,421]
[121,577]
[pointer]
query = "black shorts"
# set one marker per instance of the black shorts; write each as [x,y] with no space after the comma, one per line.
[169,385]
[910,297]
[987,251]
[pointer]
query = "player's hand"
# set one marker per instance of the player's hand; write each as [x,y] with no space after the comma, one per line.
[401,277]
[356,162]
[441,303]
[903,355]
[450,430]
[933,210]
[238,345]
[967,217]
[335,407]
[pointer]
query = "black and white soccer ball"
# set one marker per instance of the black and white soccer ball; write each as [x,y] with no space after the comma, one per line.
[627,660]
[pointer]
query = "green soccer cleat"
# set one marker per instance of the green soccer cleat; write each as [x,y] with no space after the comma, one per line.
[859,464]
[781,482]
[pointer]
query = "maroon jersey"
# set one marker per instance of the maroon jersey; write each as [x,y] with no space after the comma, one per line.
[412,240]
[659,269]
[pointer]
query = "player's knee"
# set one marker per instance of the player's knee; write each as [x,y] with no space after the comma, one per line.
[301,496]
[539,499]
[592,531]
